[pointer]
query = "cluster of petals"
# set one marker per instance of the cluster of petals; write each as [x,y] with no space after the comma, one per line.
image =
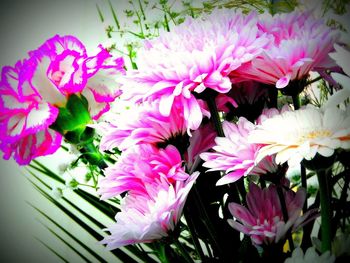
[196,55]
[24,119]
[149,216]
[235,155]
[156,187]
[262,219]
[296,135]
[31,91]
[139,165]
[142,124]
[301,43]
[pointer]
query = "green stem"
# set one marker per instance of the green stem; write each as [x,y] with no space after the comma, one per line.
[273,95]
[159,247]
[313,80]
[325,210]
[142,11]
[192,230]
[303,183]
[183,251]
[296,101]
[166,22]
[214,115]
[93,156]
[285,215]
[206,220]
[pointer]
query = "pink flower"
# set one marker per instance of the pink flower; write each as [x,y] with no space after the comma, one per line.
[194,56]
[31,146]
[143,124]
[150,216]
[262,219]
[301,44]
[24,119]
[235,155]
[141,165]
[61,67]
[157,187]
[31,91]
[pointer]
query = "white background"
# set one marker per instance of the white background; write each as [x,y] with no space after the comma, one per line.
[24,26]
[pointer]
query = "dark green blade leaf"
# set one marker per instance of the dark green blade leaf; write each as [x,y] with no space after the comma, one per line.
[100,13]
[117,252]
[53,251]
[114,15]
[93,253]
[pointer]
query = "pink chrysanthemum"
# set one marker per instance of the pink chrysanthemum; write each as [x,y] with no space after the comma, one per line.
[194,56]
[262,219]
[32,89]
[235,155]
[150,216]
[143,124]
[301,44]
[140,165]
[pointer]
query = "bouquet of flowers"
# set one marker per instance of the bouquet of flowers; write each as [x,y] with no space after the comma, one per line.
[221,135]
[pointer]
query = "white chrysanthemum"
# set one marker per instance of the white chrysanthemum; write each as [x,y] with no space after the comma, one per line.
[310,256]
[300,134]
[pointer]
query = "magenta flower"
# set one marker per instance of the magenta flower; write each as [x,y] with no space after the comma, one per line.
[141,165]
[151,215]
[24,119]
[31,91]
[194,56]
[61,67]
[301,44]
[262,219]
[235,155]
[143,124]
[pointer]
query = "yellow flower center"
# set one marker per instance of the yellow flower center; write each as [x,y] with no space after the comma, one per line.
[313,135]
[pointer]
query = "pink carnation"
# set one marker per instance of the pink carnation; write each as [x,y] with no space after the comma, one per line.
[61,67]
[194,56]
[262,219]
[235,155]
[140,165]
[150,216]
[31,91]
[24,119]
[301,44]
[143,124]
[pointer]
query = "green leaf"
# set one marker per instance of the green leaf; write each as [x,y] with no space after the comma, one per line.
[72,120]
[67,244]
[53,251]
[100,13]
[102,206]
[117,252]
[114,15]
[93,253]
